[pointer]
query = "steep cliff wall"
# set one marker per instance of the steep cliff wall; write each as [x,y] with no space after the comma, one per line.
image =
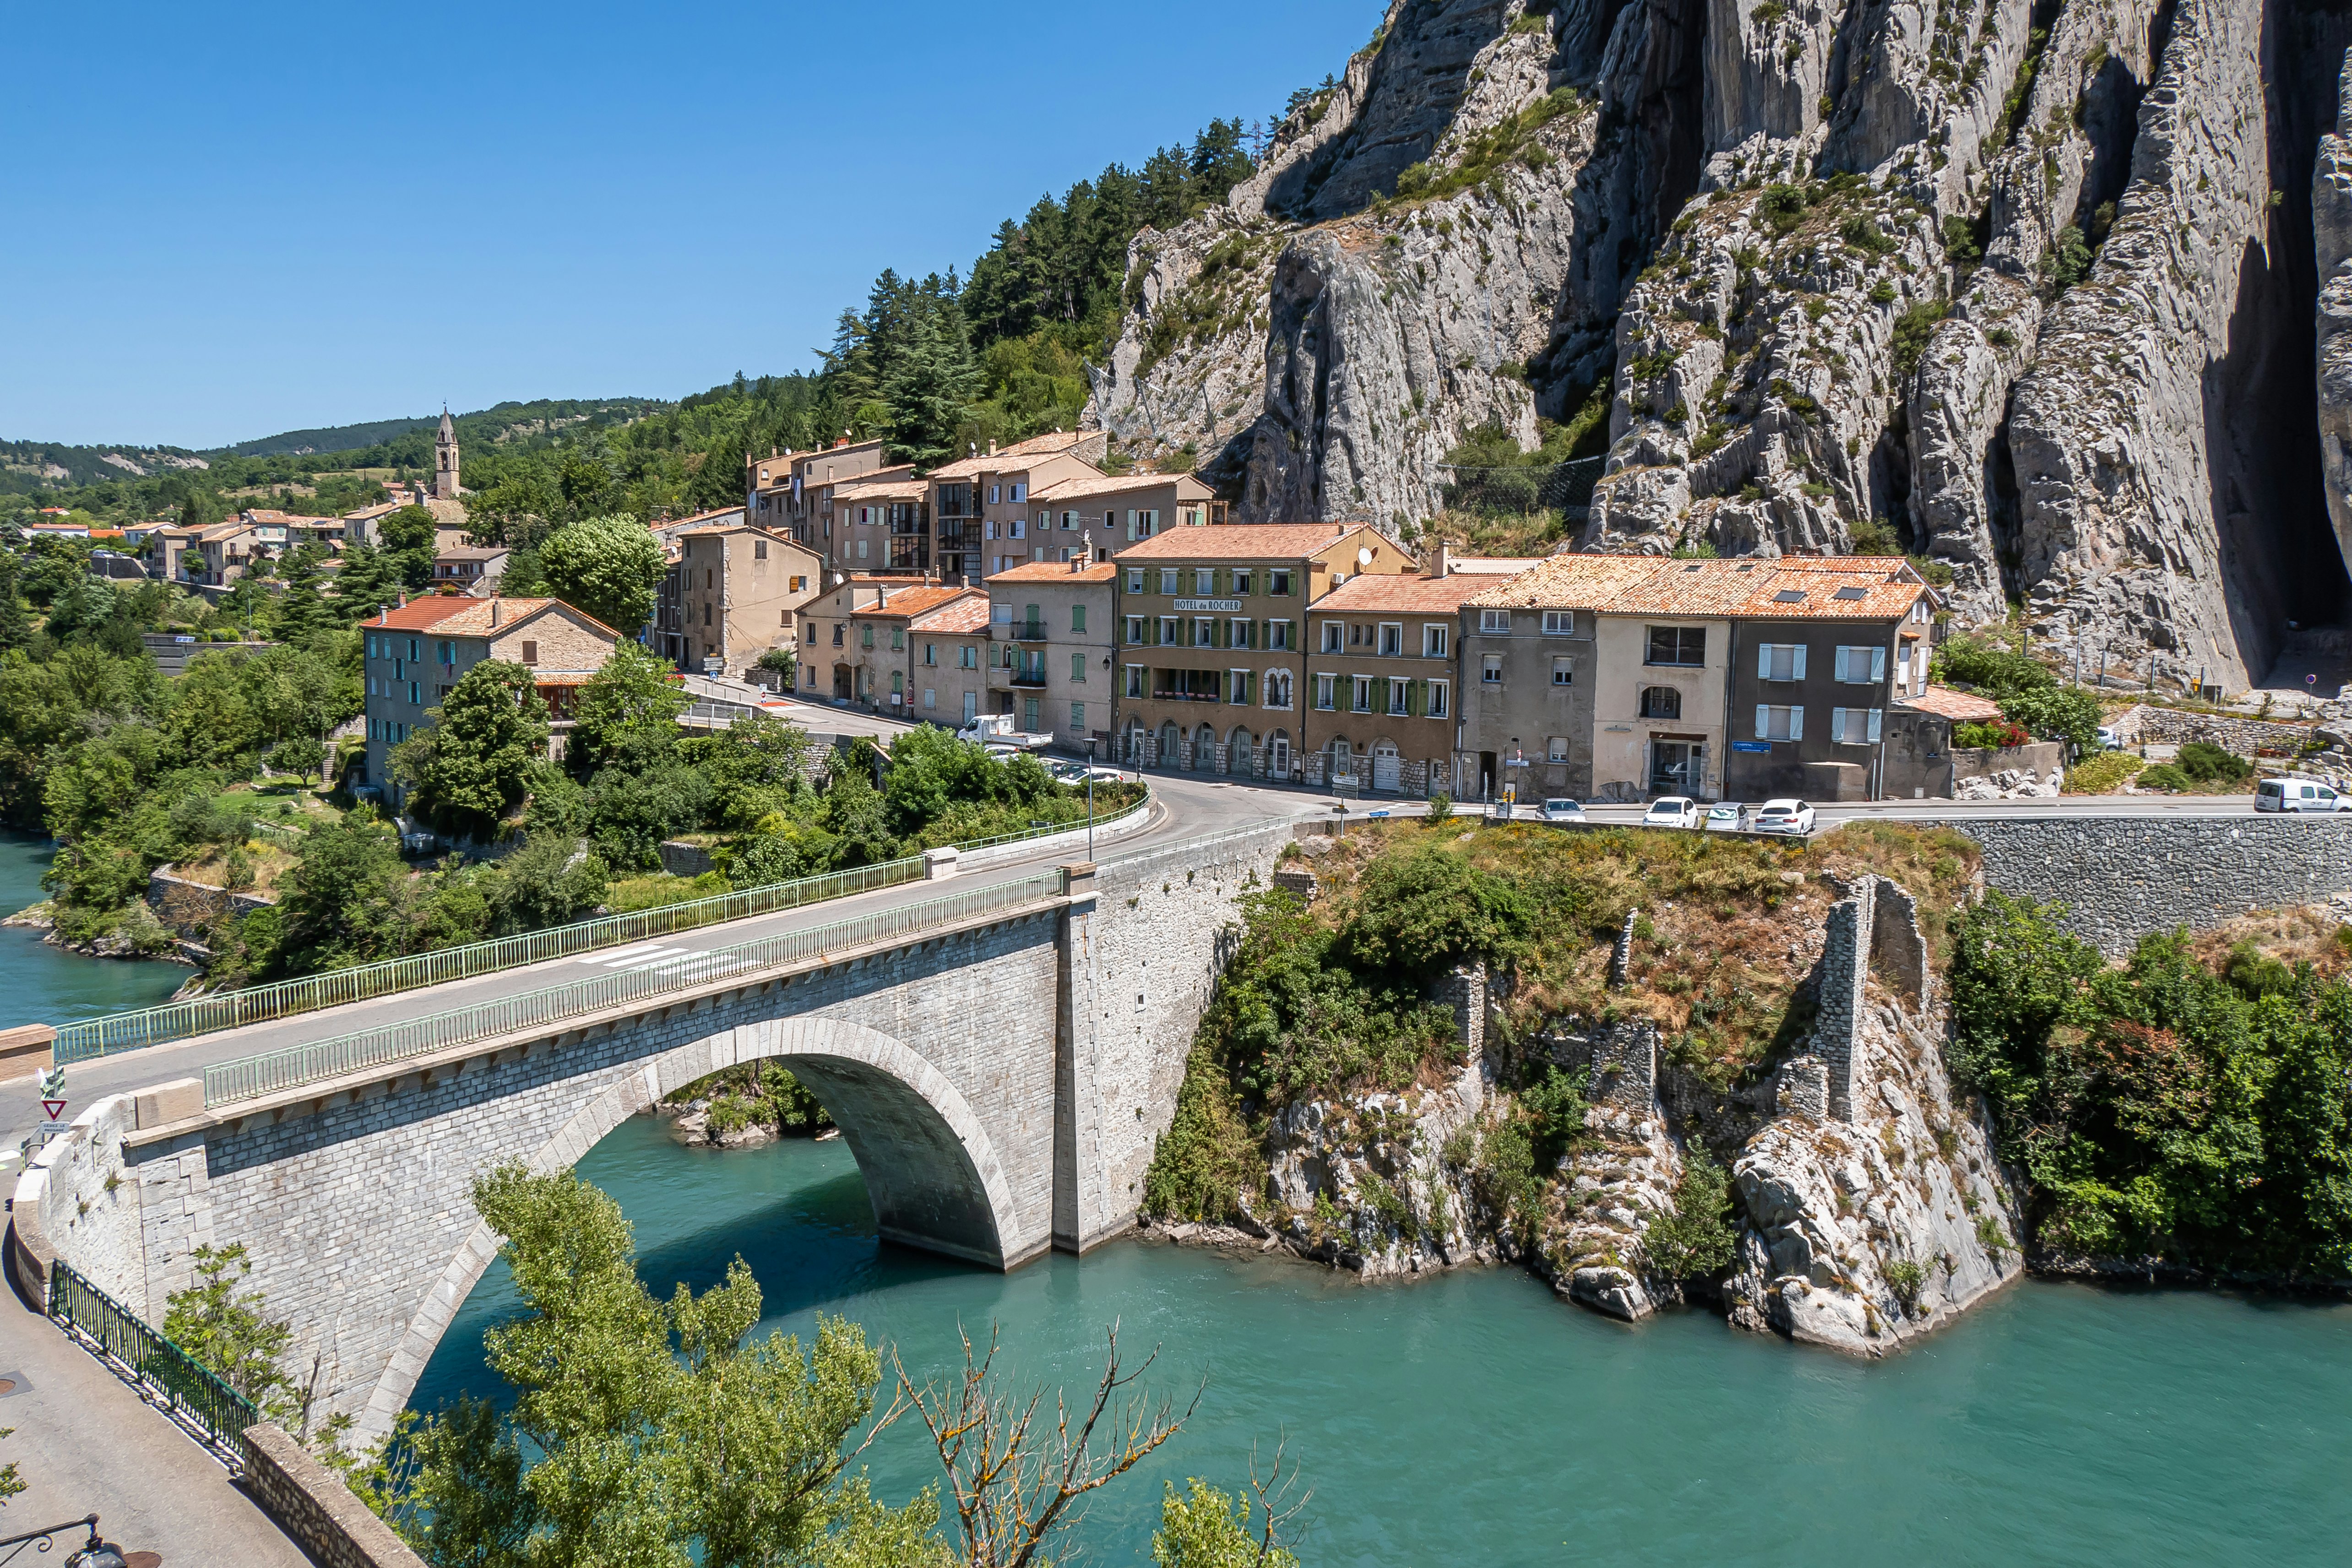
[2035,287]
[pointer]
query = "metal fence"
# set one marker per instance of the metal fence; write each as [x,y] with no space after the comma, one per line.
[247,1077]
[166,1375]
[1543,487]
[258,1004]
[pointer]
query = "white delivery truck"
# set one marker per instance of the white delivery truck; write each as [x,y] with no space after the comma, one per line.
[995,729]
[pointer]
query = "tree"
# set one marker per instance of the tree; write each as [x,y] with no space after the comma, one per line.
[300,755]
[1015,1480]
[300,610]
[1427,908]
[234,1338]
[1205,1528]
[546,882]
[607,567]
[932,383]
[409,545]
[476,761]
[338,900]
[627,716]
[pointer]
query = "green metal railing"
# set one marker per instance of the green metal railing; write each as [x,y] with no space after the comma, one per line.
[166,1376]
[244,1079]
[99,1036]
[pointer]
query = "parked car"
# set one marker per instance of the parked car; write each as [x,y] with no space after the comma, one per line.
[2106,738]
[1672,811]
[1563,810]
[1724,817]
[2298,795]
[1792,817]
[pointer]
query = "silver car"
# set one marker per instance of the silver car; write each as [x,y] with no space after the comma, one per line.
[1792,817]
[1563,810]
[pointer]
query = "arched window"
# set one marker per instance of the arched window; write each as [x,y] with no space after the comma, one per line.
[1661,702]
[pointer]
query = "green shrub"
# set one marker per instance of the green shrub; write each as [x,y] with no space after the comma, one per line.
[1441,808]
[2102,774]
[1996,671]
[2056,713]
[1783,206]
[1905,1278]
[1695,1238]
[2209,764]
[1993,735]
[2164,776]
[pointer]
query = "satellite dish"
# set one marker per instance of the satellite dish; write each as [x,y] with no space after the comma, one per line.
[1364,555]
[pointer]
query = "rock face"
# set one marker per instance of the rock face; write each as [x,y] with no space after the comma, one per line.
[2020,289]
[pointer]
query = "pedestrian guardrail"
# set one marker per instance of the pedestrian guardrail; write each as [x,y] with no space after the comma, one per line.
[250,1077]
[166,1375]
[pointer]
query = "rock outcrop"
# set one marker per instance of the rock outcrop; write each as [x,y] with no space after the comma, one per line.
[2020,289]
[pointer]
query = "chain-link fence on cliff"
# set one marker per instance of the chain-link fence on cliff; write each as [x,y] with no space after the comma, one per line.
[1544,487]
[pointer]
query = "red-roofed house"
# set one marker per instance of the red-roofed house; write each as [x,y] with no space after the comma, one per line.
[903,646]
[415,651]
[1052,633]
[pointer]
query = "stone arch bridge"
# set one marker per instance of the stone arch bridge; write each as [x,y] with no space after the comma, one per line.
[999,1080]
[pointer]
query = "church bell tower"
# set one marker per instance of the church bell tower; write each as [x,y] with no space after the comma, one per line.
[445,460]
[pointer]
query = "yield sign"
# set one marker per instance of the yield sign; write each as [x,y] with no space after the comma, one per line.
[55,1108]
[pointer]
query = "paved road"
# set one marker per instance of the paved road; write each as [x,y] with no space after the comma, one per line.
[1184,807]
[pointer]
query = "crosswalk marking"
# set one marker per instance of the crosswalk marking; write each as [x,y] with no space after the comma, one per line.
[619,955]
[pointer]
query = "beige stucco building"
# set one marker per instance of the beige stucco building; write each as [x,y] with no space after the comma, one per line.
[740,593]
[1052,636]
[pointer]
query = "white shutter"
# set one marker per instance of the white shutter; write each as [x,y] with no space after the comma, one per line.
[1130,527]
[1763,722]
[1842,661]
[1878,664]
[1763,666]
[1798,673]
[1796,721]
[1837,724]
[1876,714]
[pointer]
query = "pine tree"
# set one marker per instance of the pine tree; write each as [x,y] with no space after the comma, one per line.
[934,381]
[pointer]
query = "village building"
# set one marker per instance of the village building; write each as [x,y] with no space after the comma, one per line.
[741,590]
[1053,637]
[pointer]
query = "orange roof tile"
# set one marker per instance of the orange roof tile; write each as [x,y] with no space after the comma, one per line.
[1241,541]
[1570,582]
[963,615]
[916,600]
[1372,591]
[1007,459]
[1054,571]
[1831,596]
[456,615]
[1694,587]
[1079,487]
[1960,707]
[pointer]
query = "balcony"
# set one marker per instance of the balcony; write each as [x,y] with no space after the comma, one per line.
[1021,631]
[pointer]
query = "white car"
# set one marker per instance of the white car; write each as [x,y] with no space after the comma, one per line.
[2298,795]
[1792,817]
[1672,811]
[1563,812]
[1723,817]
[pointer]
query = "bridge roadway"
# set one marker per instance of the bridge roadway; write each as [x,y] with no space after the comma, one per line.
[1186,806]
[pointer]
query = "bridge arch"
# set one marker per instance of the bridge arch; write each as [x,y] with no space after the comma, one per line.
[933,1174]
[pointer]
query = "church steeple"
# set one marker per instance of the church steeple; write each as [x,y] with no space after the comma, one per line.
[445,459]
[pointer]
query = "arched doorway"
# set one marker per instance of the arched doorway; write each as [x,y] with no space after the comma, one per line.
[1168,744]
[1239,759]
[1204,747]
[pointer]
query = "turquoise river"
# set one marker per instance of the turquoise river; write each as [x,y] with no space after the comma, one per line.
[1472,1418]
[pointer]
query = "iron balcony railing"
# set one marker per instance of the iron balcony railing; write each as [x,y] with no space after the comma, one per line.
[228,1083]
[166,1375]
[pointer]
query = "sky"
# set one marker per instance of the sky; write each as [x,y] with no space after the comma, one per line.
[235,220]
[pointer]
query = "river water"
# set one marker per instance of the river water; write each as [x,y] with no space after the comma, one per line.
[1474,1418]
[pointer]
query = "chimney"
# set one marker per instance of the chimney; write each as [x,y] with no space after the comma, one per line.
[1440,563]
[495,616]
[992,448]
[404,598]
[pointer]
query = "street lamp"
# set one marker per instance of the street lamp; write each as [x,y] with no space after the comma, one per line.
[94,1553]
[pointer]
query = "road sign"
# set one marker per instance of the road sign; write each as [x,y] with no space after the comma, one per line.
[50,1129]
[1763,745]
[54,1109]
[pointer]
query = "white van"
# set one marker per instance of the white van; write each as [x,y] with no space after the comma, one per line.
[2298,795]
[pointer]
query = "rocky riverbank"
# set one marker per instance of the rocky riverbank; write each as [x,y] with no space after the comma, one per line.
[137,935]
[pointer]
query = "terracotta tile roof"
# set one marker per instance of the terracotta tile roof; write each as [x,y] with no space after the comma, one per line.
[1079,486]
[1695,588]
[1887,565]
[456,615]
[1493,565]
[473,553]
[1570,582]
[1960,707]
[1413,592]
[1243,541]
[963,615]
[1054,571]
[863,489]
[1007,459]
[916,600]
[1831,596]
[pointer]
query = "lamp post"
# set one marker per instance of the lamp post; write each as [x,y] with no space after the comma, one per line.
[94,1553]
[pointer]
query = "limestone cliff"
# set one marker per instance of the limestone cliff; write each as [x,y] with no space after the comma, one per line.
[2026,287]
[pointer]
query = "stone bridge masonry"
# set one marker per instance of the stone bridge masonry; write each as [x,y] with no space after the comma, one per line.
[1002,1085]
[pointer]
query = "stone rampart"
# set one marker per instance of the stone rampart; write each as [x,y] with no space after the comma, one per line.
[2124,877]
[190,908]
[2231,732]
[1844,968]
[1620,1061]
[313,1505]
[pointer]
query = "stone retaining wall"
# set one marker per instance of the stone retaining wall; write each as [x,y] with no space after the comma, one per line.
[2124,877]
[190,908]
[2231,732]
[310,1503]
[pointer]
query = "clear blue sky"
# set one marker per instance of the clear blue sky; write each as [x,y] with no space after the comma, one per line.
[233,220]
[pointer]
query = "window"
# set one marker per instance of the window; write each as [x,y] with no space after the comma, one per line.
[1018,529]
[413,646]
[1324,698]
[1240,583]
[968,657]
[1167,630]
[1780,723]
[1439,692]
[1077,666]
[865,636]
[836,633]
[1563,671]
[992,492]
[1778,660]
[1490,670]
[861,550]
[1277,688]
[1135,579]
[1204,581]
[759,550]
[1560,622]
[1204,631]
[1335,636]
[930,697]
[1077,617]
[530,652]
[1556,748]
[930,655]
[1238,686]
[1277,634]
[1393,641]
[1854,726]
[1078,717]
[1238,635]
[1862,666]
[1147,523]
[1135,680]
[1677,645]
[1362,686]
[1433,642]
[1020,491]
[1396,698]
[1278,583]
[1661,702]
[1069,521]
[1134,630]
[415,696]
[1494,622]
[706,613]
[1168,575]
[898,639]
